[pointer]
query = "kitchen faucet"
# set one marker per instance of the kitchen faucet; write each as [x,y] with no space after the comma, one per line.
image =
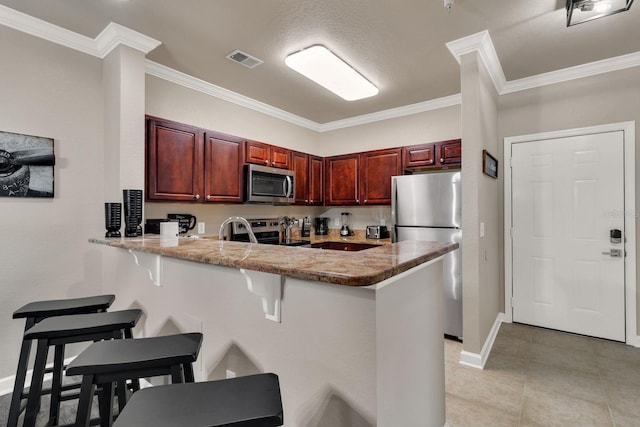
[241,220]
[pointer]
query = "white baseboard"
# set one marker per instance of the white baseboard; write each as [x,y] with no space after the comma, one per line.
[6,383]
[476,360]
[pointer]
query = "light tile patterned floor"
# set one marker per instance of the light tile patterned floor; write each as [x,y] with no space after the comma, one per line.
[537,377]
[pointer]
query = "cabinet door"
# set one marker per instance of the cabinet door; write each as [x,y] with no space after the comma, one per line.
[342,183]
[451,152]
[174,161]
[280,157]
[300,167]
[316,180]
[258,153]
[376,169]
[223,167]
[421,155]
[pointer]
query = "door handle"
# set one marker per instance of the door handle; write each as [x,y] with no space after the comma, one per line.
[617,253]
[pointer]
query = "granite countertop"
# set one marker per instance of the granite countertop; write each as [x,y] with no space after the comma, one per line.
[361,268]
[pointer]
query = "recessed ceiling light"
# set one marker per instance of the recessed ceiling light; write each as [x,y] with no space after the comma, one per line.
[319,64]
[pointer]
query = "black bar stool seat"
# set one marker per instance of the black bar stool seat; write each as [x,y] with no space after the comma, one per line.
[106,362]
[59,331]
[251,401]
[33,313]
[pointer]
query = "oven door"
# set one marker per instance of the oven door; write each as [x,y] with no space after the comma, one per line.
[269,185]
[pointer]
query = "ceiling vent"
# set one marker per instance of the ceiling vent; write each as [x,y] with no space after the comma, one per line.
[244,59]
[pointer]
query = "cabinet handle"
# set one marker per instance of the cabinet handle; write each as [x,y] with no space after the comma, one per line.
[273,163]
[306,201]
[357,200]
[441,160]
[197,197]
[266,162]
[365,200]
[208,196]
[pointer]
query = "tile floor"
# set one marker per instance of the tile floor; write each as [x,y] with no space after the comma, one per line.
[539,377]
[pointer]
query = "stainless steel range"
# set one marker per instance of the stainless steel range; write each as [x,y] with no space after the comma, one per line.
[268,231]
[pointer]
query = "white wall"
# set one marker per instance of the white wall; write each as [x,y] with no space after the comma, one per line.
[51,91]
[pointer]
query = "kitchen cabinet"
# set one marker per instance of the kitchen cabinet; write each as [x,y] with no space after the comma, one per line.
[223,168]
[433,155]
[342,180]
[267,155]
[175,159]
[308,178]
[361,178]
[450,152]
[376,169]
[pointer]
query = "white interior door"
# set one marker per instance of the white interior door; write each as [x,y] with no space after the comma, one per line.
[567,194]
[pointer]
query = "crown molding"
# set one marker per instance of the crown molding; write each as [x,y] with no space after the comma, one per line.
[37,27]
[482,44]
[182,79]
[572,73]
[112,36]
[393,113]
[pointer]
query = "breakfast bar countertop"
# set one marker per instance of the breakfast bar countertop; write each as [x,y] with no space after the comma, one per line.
[358,268]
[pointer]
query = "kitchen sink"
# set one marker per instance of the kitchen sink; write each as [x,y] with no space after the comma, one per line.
[343,246]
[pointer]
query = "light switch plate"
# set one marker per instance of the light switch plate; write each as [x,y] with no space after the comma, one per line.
[482,229]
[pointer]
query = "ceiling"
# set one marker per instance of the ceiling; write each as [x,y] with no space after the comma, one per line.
[400,46]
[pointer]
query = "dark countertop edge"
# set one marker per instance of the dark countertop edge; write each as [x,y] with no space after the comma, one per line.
[297,273]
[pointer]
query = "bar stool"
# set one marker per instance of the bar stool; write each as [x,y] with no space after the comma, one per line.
[59,331]
[35,312]
[251,401]
[106,362]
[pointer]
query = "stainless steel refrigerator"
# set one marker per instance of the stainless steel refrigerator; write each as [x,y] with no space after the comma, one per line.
[427,207]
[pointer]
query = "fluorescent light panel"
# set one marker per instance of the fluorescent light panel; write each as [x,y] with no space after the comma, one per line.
[319,64]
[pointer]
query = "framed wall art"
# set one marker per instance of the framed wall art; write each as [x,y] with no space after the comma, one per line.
[26,165]
[489,165]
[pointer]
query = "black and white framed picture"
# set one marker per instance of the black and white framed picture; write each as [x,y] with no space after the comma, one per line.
[26,165]
[489,164]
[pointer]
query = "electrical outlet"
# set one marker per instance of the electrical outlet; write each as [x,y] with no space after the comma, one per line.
[482,229]
[201,228]
[230,374]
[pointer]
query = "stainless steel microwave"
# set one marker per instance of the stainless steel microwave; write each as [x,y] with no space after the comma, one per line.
[269,185]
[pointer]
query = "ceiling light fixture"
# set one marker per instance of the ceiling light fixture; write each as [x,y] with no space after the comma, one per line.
[319,64]
[579,11]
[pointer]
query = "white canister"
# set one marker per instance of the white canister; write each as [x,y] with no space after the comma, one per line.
[169,229]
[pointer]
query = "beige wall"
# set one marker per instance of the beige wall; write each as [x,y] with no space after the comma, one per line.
[480,265]
[607,98]
[51,91]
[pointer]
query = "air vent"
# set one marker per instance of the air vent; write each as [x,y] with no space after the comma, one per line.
[244,59]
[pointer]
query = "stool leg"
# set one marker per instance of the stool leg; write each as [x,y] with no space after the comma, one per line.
[56,385]
[106,405]
[135,382]
[33,401]
[87,390]
[18,386]
[177,376]
[121,388]
[188,372]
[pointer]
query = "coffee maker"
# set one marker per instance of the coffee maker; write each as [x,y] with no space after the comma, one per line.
[322,226]
[345,230]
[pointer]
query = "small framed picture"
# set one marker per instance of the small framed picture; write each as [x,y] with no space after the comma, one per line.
[489,164]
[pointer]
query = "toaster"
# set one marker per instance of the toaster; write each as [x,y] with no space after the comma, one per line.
[377,232]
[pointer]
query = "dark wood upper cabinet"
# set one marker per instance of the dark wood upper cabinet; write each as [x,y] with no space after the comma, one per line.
[419,155]
[342,180]
[450,152]
[175,153]
[223,168]
[267,155]
[316,180]
[308,178]
[443,154]
[376,169]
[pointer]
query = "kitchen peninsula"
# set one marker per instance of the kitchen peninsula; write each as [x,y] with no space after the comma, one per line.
[357,338]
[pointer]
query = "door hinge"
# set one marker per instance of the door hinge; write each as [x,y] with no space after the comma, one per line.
[513,302]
